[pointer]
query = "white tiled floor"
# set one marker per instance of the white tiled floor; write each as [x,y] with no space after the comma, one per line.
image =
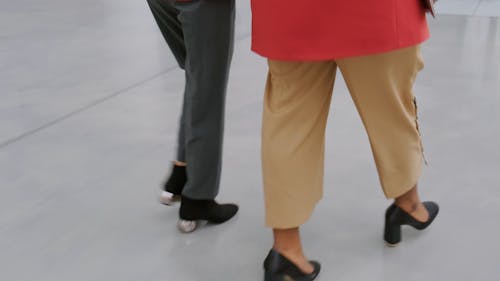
[469,7]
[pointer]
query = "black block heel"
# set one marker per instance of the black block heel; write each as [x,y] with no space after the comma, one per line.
[392,234]
[395,217]
[279,268]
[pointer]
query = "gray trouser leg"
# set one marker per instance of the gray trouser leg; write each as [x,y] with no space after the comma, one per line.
[166,16]
[207,28]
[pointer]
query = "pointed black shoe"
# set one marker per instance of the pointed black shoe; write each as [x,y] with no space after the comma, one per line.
[395,217]
[173,187]
[279,268]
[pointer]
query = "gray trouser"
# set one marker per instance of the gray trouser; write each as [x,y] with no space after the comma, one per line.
[200,34]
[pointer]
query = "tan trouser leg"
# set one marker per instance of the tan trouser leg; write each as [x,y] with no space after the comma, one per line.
[296,106]
[381,87]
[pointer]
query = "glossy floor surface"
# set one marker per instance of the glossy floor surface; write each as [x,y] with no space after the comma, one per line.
[90,98]
[469,7]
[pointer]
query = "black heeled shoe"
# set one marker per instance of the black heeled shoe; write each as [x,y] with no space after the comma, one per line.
[279,268]
[192,211]
[395,217]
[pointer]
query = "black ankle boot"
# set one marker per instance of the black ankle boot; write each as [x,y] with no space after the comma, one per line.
[279,268]
[173,187]
[208,210]
[176,181]
[395,217]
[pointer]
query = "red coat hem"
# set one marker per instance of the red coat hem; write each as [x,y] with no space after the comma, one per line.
[332,56]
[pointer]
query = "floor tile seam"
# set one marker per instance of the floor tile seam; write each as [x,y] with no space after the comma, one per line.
[477,7]
[94,103]
[465,15]
[82,109]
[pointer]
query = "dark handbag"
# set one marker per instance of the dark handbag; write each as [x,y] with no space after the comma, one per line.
[429,6]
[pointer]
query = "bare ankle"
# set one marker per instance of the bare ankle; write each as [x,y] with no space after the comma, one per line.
[287,250]
[287,242]
[296,256]
[410,201]
[179,163]
[409,206]
[416,209]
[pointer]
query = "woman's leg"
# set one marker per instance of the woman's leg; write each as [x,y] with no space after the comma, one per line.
[208,29]
[411,203]
[287,242]
[166,16]
[381,87]
[296,107]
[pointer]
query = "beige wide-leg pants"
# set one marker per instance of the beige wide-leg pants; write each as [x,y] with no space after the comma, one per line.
[296,106]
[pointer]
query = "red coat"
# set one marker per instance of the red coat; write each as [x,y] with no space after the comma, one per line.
[329,29]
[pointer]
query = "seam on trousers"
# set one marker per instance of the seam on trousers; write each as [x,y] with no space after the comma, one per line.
[418,130]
